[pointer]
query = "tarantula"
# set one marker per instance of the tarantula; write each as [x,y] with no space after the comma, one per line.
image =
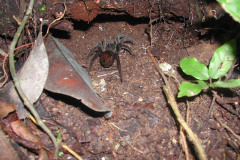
[109,51]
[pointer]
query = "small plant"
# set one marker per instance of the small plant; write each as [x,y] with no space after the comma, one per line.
[43,8]
[220,64]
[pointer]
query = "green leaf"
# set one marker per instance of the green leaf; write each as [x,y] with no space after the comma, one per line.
[189,89]
[222,59]
[60,154]
[232,7]
[202,84]
[232,83]
[192,67]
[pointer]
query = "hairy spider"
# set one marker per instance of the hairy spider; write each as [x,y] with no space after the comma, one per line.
[109,51]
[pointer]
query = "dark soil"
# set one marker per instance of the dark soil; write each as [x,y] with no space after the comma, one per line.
[141,116]
[143,125]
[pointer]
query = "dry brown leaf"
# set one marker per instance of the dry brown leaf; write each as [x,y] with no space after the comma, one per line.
[21,130]
[6,108]
[6,150]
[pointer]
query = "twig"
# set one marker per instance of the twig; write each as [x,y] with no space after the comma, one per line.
[110,125]
[166,46]
[4,62]
[150,24]
[5,75]
[123,130]
[71,151]
[223,105]
[214,146]
[16,80]
[211,107]
[187,114]
[183,135]
[171,100]
[65,9]
[184,143]
[230,130]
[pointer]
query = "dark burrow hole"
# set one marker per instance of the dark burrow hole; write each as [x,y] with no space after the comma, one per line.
[102,18]
[219,29]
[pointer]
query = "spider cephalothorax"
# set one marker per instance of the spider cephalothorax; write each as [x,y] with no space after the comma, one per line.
[108,52]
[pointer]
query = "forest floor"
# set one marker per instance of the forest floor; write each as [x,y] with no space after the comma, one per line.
[141,115]
[143,125]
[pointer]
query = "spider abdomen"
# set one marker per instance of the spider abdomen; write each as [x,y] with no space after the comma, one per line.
[108,51]
[107,59]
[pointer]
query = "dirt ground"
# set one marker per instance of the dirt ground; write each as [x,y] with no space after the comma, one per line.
[143,125]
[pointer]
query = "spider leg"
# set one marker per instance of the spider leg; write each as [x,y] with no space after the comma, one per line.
[92,60]
[119,67]
[122,38]
[95,49]
[127,40]
[126,47]
[104,43]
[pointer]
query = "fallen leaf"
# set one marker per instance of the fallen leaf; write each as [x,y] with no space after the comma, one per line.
[6,123]
[21,130]
[6,149]
[67,77]
[6,108]
[12,125]
[45,155]
[32,77]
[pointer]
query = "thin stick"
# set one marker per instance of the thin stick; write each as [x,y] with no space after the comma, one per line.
[183,135]
[184,143]
[214,146]
[71,151]
[5,75]
[65,9]
[211,107]
[110,125]
[187,114]
[230,130]
[223,105]
[16,80]
[171,100]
